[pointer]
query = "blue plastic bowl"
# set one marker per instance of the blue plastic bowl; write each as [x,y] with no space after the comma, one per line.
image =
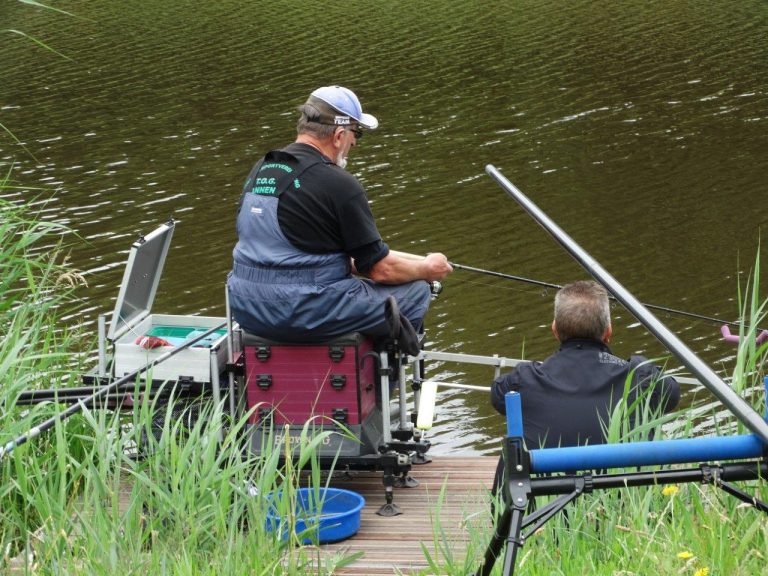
[322,515]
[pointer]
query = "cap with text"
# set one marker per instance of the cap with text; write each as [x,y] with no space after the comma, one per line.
[338,105]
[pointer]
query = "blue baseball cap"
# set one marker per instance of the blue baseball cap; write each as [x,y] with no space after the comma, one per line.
[345,105]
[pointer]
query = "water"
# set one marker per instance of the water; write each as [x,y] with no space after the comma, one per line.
[639,127]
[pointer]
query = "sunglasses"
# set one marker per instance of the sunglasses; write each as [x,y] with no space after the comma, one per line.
[357,131]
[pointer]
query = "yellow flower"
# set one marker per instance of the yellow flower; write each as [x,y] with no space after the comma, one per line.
[702,572]
[670,490]
[684,555]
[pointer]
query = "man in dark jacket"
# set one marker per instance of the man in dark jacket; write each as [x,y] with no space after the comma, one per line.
[567,399]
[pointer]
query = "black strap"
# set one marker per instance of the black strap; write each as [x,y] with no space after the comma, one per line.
[287,180]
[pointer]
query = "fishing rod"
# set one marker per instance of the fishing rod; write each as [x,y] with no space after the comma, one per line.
[558,286]
[737,405]
[105,391]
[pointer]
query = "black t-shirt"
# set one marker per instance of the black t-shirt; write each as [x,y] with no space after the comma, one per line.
[329,212]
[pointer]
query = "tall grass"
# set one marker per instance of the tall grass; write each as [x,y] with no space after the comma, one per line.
[161,487]
[750,366]
[689,529]
[33,354]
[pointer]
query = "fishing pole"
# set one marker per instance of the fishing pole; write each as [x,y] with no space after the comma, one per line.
[105,391]
[735,403]
[558,286]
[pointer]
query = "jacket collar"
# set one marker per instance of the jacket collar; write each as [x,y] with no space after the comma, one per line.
[584,343]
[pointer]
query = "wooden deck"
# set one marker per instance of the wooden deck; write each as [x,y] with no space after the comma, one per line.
[394,545]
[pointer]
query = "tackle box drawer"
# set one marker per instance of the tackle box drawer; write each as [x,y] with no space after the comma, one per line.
[292,383]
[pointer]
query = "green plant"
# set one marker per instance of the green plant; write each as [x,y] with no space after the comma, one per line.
[34,353]
[749,369]
[167,486]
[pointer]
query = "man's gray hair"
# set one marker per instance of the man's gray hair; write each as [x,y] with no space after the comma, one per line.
[582,310]
[309,123]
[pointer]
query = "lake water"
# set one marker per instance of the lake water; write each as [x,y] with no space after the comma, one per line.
[640,127]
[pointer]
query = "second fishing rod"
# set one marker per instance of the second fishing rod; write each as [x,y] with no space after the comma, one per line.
[558,286]
[543,284]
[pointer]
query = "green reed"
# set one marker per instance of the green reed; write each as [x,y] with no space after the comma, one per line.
[33,354]
[162,491]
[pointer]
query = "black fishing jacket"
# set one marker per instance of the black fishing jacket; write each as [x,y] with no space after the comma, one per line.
[567,399]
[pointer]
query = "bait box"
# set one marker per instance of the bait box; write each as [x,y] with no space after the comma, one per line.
[132,319]
[196,363]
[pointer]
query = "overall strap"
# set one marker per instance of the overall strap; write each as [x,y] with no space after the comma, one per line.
[288,169]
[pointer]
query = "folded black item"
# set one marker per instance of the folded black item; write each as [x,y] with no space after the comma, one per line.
[401,330]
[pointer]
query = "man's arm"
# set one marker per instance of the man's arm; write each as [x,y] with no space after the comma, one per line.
[503,384]
[666,392]
[400,267]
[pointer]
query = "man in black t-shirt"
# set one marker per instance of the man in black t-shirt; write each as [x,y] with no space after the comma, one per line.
[306,234]
[567,400]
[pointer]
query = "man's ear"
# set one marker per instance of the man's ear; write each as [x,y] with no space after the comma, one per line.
[554,330]
[337,136]
[607,335]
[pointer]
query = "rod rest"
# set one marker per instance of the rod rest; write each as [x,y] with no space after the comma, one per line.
[704,473]
[651,453]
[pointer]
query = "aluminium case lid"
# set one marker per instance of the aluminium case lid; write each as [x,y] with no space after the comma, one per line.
[140,280]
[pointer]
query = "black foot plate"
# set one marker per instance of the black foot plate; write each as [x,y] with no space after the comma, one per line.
[420,458]
[406,482]
[389,510]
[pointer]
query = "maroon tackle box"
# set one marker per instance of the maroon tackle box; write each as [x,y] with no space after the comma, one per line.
[292,383]
[290,386]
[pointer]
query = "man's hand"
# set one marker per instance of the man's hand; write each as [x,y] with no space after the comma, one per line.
[437,266]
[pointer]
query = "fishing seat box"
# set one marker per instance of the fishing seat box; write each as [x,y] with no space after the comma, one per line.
[320,384]
[132,319]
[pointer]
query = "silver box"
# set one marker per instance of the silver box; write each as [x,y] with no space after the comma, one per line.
[132,319]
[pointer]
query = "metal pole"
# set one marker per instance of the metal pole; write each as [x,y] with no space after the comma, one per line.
[102,330]
[743,411]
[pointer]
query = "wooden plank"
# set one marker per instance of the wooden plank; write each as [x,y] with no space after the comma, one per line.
[394,545]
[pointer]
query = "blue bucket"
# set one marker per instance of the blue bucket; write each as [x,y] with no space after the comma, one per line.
[323,515]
